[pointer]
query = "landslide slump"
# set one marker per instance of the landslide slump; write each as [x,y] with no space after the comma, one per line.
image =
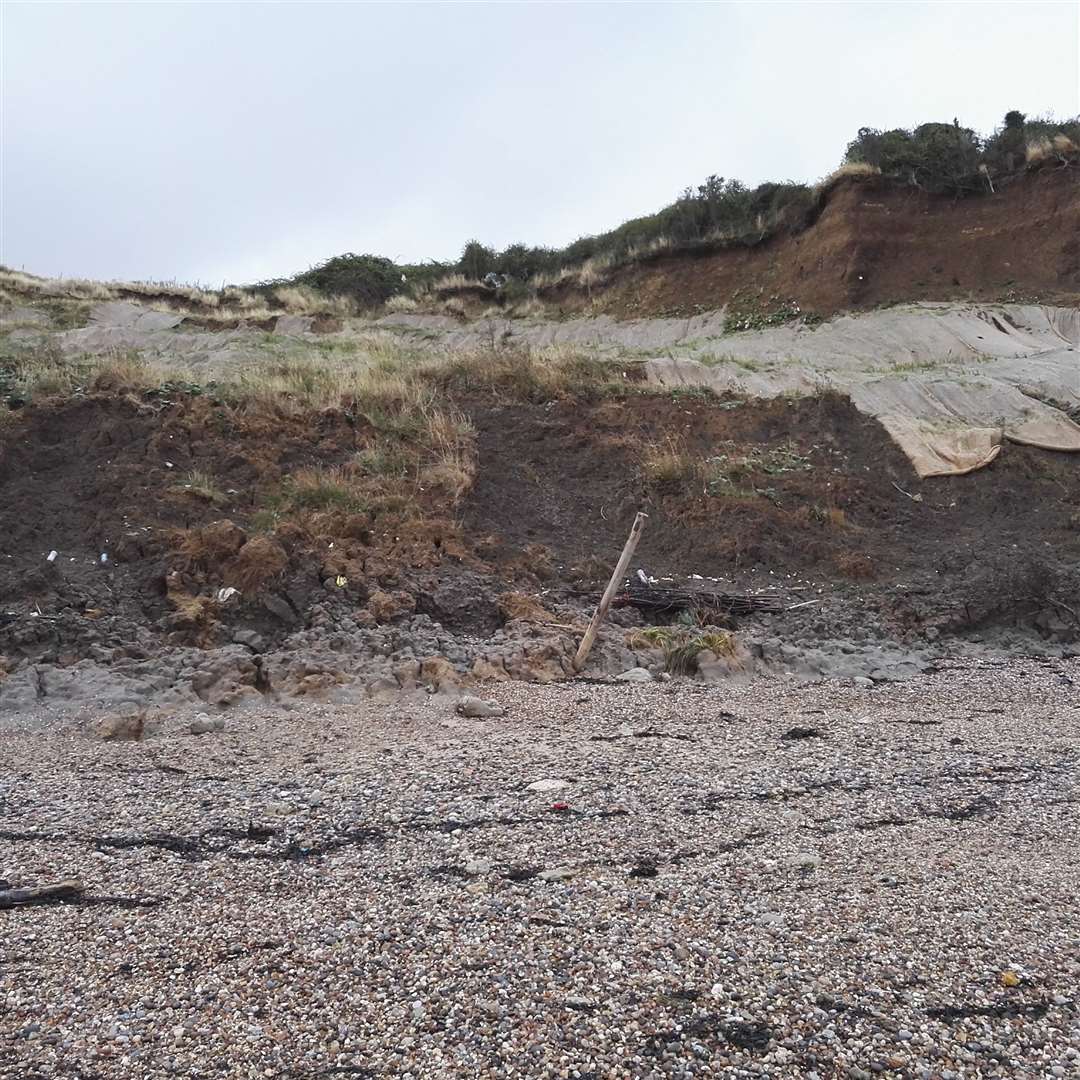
[792,485]
[186,496]
[800,489]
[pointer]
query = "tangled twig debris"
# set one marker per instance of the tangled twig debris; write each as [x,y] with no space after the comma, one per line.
[663,600]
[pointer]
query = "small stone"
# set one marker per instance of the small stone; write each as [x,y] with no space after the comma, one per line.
[478,708]
[202,724]
[557,873]
[548,786]
[863,682]
[478,867]
[804,860]
[637,674]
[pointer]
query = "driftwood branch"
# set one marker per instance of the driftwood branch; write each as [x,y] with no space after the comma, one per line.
[40,894]
[617,577]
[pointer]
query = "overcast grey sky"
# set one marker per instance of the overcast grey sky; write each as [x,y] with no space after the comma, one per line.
[220,142]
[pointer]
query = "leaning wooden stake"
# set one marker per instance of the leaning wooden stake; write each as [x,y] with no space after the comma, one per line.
[609,593]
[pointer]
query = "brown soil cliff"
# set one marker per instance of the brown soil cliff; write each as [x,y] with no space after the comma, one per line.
[876,243]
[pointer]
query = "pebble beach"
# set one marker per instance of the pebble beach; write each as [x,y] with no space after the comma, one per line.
[610,880]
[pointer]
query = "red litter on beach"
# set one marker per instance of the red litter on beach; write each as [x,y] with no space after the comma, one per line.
[560,807]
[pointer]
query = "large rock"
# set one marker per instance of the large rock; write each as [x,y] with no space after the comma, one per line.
[438,674]
[279,607]
[407,674]
[120,726]
[543,661]
[385,606]
[478,708]
[713,667]
[227,676]
[383,689]
[490,669]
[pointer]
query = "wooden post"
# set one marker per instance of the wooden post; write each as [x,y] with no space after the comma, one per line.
[609,593]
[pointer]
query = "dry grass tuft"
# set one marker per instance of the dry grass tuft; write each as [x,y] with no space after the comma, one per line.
[400,304]
[1039,150]
[665,463]
[851,170]
[590,273]
[452,282]
[122,373]
[682,645]
[523,374]
[516,605]
[296,299]
[453,475]
[333,488]
[855,565]
[1060,148]
[208,547]
[259,561]
[203,485]
[530,308]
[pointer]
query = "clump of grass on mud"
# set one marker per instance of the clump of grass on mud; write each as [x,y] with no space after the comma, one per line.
[367,374]
[203,485]
[665,463]
[44,371]
[682,645]
[333,488]
[420,454]
[523,375]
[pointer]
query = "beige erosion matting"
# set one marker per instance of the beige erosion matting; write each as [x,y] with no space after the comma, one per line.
[949,384]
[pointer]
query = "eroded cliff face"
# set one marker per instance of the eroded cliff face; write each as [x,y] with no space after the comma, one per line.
[875,243]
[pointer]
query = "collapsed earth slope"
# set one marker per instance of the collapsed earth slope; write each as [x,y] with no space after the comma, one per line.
[339,507]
